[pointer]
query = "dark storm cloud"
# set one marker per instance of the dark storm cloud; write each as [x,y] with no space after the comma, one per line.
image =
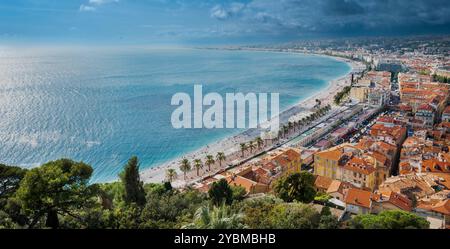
[342,8]
[339,16]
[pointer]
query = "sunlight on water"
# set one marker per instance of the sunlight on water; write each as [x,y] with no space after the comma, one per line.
[104,106]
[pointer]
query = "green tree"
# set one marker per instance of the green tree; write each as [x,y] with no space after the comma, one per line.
[328,222]
[171,174]
[220,157]
[221,217]
[209,161]
[157,188]
[239,193]
[293,216]
[326,211]
[6,222]
[257,210]
[322,197]
[220,192]
[391,219]
[171,209]
[259,142]
[134,187]
[198,164]
[10,178]
[243,148]
[56,188]
[297,186]
[251,146]
[185,167]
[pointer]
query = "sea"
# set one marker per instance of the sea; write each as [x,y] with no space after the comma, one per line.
[102,105]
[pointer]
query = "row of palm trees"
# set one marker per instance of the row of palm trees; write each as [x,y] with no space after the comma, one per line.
[197,164]
[285,130]
[257,143]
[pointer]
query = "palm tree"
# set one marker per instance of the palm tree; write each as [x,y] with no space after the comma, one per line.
[220,157]
[318,102]
[251,146]
[297,124]
[320,112]
[280,133]
[285,130]
[277,137]
[243,148]
[185,166]
[222,217]
[209,161]
[198,165]
[259,142]
[171,174]
[290,126]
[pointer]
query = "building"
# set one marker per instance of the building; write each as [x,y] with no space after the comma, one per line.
[378,97]
[360,93]
[392,201]
[360,173]
[389,65]
[446,114]
[289,159]
[322,183]
[392,134]
[426,113]
[338,189]
[439,212]
[258,177]
[413,186]
[358,201]
[250,186]
[329,163]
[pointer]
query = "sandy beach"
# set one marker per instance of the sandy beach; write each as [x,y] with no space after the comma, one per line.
[230,145]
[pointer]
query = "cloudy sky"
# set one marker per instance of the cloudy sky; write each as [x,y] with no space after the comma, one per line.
[214,21]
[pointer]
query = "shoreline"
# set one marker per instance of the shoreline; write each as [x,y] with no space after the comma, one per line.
[229,144]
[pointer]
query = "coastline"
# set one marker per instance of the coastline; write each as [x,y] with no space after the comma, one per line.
[229,145]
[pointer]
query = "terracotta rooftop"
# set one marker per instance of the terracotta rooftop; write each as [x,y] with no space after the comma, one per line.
[400,201]
[322,182]
[334,186]
[442,207]
[359,165]
[435,166]
[331,154]
[358,197]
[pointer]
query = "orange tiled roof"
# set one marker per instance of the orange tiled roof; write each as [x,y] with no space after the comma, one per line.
[434,165]
[333,154]
[284,157]
[334,186]
[241,181]
[359,165]
[400,201]
[379,157]
[358,197]
[442,207]
[395,131]
[322,182]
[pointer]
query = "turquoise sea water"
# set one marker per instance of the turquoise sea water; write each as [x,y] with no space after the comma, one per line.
[103,105]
